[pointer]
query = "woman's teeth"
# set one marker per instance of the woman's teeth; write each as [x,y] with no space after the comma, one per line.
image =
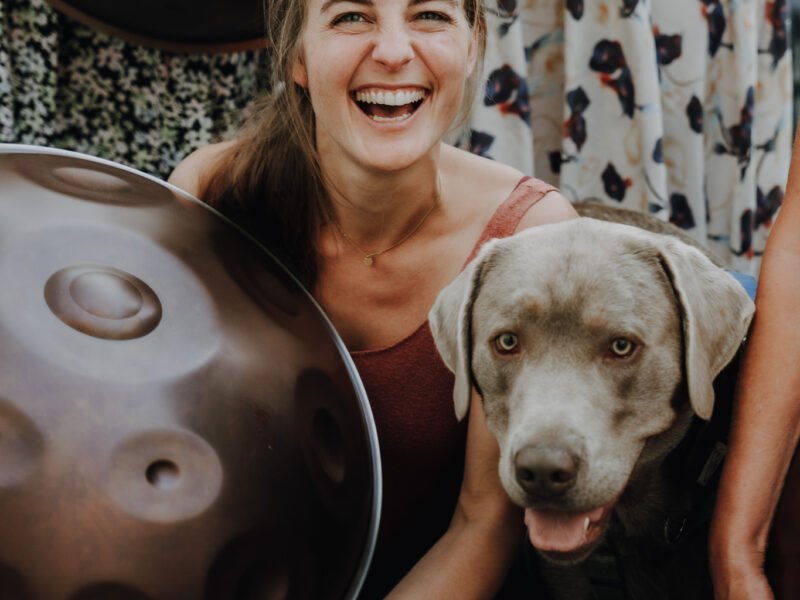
[381,119]
[389,106]
[389,98]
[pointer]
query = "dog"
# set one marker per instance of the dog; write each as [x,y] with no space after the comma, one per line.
[594,347]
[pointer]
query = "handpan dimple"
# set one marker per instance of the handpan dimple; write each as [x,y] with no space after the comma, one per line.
[109,591]
[106,294]
[99,183]
[325,434]
[328,443]
[164,476]
[92,179]
[21,446]
[103,302]
[245,568]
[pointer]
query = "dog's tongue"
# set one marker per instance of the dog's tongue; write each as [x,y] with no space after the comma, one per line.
[557,531]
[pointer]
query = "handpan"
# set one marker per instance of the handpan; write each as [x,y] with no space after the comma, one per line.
[178,419]
[177,25]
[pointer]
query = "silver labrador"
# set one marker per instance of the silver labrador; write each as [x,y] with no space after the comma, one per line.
[593,345]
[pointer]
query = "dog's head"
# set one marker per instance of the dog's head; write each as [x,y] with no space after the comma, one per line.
[585,339]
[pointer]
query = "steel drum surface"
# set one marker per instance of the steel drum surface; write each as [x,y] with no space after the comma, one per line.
[178,419]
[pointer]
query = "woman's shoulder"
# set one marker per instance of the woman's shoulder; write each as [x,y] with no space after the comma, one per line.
[551,207]
[482,173]
[191,175]
[489,183]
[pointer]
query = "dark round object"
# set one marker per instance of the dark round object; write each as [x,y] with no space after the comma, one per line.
[177,25]
[178,419]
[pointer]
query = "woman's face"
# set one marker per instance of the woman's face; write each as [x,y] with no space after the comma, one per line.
[385,77]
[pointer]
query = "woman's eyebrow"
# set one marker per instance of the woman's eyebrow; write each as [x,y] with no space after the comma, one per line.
[454,3]
[326,5]
[329,3]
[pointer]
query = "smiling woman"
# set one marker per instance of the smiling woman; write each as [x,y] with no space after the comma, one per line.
[344,176]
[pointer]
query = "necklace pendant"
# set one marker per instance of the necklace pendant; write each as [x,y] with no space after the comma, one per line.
[368,261]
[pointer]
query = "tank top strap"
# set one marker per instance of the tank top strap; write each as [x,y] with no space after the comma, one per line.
[506,218]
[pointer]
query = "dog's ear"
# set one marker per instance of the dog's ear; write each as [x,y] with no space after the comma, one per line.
[715,313]
[450,320]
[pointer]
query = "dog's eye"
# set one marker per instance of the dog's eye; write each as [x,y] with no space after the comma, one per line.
[506,342]
[622,347]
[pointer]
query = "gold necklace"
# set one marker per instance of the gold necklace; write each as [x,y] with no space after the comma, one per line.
[369,257]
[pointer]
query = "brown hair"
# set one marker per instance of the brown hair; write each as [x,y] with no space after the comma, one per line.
[270,180]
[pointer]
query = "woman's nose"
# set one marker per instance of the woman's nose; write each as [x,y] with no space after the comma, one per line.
[393,47]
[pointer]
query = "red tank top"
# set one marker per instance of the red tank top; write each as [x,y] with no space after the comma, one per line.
[410,391]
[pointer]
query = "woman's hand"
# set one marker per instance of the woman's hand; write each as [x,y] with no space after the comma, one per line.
[738,573]
[472,559]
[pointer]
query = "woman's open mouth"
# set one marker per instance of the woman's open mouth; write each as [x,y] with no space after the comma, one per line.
[389,105]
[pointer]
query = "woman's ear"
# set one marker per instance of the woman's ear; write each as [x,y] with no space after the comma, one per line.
[299,73]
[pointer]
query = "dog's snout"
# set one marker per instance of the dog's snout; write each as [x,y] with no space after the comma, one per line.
[546,471]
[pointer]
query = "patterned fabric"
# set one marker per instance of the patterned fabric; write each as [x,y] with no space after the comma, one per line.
[64,85]
[680,108]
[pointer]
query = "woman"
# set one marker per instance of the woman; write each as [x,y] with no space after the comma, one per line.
[765,430]
[344,176]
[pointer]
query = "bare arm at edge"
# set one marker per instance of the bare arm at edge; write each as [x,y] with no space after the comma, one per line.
[766,421]
[192,174]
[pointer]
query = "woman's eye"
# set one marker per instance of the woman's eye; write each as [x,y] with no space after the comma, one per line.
[433,16]
[349,18]
[506,342]
[622,347]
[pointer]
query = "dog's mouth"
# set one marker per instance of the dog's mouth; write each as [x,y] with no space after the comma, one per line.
[567,537]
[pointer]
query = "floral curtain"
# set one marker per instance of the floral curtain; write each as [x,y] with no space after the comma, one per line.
[64,85]
[679,108]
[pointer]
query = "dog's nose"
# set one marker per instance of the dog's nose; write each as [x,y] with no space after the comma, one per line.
[546,471]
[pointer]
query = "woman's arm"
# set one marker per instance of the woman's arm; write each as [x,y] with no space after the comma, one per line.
[193,172]
[472,558]
[766,414]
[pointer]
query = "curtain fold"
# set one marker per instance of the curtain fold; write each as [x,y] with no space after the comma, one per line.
[682,109]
